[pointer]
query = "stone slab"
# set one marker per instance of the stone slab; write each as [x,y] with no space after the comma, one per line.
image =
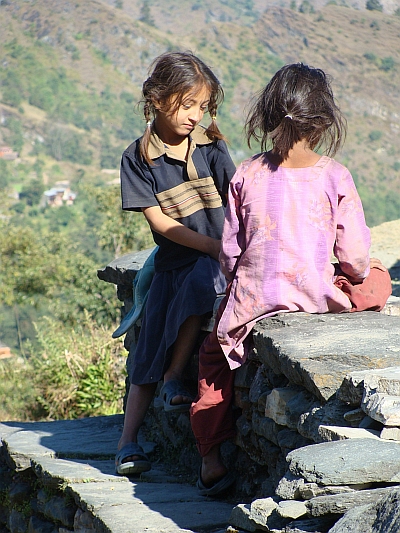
[347,462]
[331,433]
[382,407]
[385,380]
[341,503]
[173,513]
[317,351]
[147,504]
[122,271]
[82,438]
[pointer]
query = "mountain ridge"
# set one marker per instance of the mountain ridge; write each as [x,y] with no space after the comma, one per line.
[101,48]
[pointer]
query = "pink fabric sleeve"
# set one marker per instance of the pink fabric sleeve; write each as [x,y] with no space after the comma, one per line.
[352,234]
[232,243]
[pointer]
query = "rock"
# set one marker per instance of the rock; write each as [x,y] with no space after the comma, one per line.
[36,525]
[340,503]
[354,417]
[357,520]
[331,433]
[380,517]
[265,427]
[382,407]
[240,517]
[303,402]
[258,386]
[275,407]
[318,351]
[385,380]
[390,433]
[244,375]
[263,512]
[310,525]
[347,462]
[330,414]
[291,509]
[312,490]
[289,486]
[288,439]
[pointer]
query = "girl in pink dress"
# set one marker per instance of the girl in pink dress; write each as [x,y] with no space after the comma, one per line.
[289,210]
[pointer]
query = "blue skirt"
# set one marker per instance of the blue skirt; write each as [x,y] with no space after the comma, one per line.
[174,295]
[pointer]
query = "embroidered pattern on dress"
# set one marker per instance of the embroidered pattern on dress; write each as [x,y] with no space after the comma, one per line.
[320,215]
[261,233]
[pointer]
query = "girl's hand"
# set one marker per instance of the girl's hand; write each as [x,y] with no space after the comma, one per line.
[376,263]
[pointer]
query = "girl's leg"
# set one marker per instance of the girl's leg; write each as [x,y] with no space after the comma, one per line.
[211,413]
[182,350]
[138,402]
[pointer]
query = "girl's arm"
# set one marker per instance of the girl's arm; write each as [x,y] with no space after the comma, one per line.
[233,237]
[352,234]
[177,232]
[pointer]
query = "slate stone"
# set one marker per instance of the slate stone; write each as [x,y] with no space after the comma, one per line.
[289,486]
[122,271]
[347,462]
[331,433]
[318,351]
[382,407]
[310,525]
[340,503]
[265,427]
[390,433]
[301,403]
[359,519]
[380,517]
[330,414]
[240,518]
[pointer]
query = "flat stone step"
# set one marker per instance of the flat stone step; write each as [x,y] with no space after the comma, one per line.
[79,456]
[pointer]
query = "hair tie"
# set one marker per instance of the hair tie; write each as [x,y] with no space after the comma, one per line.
[289,116]
[148,123]
[214,117]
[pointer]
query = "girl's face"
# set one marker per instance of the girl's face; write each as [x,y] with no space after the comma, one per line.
[173,125]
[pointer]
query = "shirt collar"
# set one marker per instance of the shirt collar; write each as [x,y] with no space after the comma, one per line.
[157,148]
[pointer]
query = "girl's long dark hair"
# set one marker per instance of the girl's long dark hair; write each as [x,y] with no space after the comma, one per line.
[172,75]
[296,104]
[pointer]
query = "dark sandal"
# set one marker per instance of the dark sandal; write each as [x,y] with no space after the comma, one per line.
[217,488]
[139,465]
[169,390]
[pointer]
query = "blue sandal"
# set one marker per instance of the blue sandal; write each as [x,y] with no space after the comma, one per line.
[139,465]
[169,390]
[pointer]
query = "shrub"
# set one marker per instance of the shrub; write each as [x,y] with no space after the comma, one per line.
[374,135]
[374,5]
[78,372]
[387,63]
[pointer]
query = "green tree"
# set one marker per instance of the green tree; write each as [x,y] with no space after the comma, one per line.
[121,231]
[32,192]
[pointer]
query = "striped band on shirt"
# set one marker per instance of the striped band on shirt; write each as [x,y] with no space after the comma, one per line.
[189,197]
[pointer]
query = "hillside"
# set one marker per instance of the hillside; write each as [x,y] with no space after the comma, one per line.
[71,74]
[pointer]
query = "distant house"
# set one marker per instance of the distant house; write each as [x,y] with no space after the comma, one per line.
[6,152]
[59,195]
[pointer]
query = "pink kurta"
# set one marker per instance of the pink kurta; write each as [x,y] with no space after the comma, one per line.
[282,226]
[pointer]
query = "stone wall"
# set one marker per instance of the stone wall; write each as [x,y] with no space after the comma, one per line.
[318,415]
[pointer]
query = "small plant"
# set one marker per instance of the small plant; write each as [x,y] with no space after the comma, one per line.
[375,135]
[387,63]
[374,5]
[370,57]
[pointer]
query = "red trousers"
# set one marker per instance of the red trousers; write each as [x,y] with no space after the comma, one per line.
[211,413]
